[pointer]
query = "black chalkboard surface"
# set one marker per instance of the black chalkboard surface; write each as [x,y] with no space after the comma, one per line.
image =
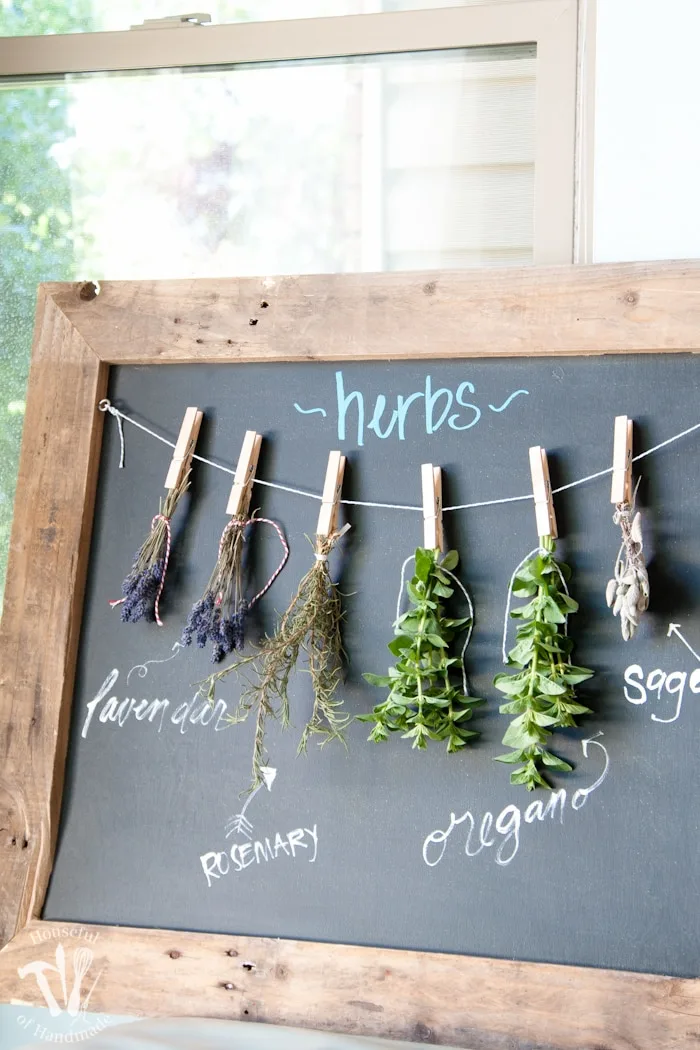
[359,846]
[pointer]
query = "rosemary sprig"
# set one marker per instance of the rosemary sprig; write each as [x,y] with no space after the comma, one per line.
[311,626]
[541,694]
[423,703]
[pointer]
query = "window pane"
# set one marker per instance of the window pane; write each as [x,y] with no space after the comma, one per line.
[38,17]
[397,162]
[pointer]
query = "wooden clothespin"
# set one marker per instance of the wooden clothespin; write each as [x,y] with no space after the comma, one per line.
[431,482]
[621,491]
[542,489]
[330,501]
[184,448]
[239,501]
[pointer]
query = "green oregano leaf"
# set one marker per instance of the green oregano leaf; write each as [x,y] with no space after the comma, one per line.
[540,693]
[426,701]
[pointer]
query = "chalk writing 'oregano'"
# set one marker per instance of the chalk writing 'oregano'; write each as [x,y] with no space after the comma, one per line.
[423,702]
[541,693]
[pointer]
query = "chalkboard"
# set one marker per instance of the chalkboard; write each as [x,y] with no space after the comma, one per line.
[353,844]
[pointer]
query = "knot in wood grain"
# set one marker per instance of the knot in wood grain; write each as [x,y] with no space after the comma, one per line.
[422,1034]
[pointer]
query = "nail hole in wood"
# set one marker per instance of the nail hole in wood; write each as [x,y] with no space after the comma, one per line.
[174,954]
[177,320]
[232,952]
[264,305]
[253,320]
[199,340]
[228,986]
[248,966]
[246,1012]
[89,291]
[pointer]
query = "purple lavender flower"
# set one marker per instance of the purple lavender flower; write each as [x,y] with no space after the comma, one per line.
[140,590]
[207,624]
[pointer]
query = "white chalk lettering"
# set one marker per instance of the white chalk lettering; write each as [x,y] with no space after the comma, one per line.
[507,825]
[296,844]
[664,685]
[107,709]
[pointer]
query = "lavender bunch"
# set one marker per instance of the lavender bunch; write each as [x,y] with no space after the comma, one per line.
[142,587]
[207,623]
[219,615]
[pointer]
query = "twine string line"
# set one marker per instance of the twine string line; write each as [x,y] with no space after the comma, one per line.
[106,406]
[470,605]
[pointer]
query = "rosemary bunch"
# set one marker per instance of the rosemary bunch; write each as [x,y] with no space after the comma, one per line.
[310,627]
[141,586]
[541,693]
[423,702]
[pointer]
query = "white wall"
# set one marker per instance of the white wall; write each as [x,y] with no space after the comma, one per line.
[646,197]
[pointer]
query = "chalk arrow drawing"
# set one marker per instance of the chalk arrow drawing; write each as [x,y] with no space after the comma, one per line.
[674,628]
[142,669]
[580,797]
[240,825]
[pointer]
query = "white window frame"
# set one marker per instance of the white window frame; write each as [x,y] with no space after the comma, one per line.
[549,24]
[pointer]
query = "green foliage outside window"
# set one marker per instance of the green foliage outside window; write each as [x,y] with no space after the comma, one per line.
[36,238]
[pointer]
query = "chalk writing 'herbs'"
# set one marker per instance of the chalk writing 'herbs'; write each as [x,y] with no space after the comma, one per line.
[433,408]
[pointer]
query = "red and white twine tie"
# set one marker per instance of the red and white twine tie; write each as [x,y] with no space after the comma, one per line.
[156,609]
[166,522]
[234,522]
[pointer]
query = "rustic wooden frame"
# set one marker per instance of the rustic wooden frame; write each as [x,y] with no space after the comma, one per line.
[455,1000]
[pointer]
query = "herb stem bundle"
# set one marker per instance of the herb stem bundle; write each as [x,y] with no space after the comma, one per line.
[541,693]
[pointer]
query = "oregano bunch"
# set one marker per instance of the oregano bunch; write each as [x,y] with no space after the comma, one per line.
[424,703]
[541,693]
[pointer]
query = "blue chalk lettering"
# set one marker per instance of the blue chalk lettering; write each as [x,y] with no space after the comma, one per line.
[430,400]
[344,402]
[508,400]
[374,425]
[309,411]
[465,404]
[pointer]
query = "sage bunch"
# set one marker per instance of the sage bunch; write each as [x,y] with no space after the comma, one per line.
[627,593]
[310,628]
[424,703]
[541,694]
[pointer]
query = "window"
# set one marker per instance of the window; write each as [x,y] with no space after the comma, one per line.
[399,140]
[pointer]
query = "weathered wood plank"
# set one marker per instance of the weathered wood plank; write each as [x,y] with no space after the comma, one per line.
[43,600]
[484,1004]
[626,308]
